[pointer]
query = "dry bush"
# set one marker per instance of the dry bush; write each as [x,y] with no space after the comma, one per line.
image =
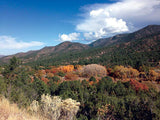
[93,70]
[54,108]
[69,109]
[12,112]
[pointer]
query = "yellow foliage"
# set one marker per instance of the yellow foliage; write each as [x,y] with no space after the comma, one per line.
[125,72]
[153,75]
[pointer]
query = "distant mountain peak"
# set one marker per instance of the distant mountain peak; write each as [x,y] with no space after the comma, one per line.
[144,32]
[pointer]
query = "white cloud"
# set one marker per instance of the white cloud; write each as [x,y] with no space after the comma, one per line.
[9,45]
[102,20]
[8,42]
[69,37]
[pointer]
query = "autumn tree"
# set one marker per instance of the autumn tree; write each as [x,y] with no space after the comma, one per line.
[68,68]
[125,72]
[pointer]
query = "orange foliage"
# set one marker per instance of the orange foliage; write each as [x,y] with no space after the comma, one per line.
[138,86]
[32,79]
[71,76]
[48,71]
[78,67]
[65,69]
[50,75]
[45,80]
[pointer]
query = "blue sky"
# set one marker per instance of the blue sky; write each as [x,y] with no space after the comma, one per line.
[32,24]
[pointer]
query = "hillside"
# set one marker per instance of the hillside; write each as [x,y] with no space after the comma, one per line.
[47,52]
[122,38]
[1,56]
[135,49]
[139,48]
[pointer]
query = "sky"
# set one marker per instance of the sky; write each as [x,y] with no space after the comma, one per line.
[33,24]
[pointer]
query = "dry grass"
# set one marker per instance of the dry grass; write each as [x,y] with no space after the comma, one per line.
[12,112]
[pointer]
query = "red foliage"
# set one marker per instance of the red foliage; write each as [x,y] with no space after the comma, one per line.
[138,86]
[45,79]
[48,71]
[54,71]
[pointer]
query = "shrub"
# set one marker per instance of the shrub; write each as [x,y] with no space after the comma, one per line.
[62,74]
[55,79]
[68,68]
[50,75]
[92,79]
[71,76]
[153,75]
[138,86]
[125,72]
[54,108]
[93,70]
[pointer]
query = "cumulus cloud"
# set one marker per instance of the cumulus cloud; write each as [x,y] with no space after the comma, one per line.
[69,37]
[102,20]
[8,43]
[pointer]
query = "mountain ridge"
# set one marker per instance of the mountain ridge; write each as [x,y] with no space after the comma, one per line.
[141,40]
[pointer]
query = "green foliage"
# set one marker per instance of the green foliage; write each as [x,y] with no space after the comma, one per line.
[92,79]
[127,103]
[40,87]
[2,85]
[61,74]
[55,79]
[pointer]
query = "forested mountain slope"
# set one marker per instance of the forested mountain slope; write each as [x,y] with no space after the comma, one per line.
[46,52]
[137,48]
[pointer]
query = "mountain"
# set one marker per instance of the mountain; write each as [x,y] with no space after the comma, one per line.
[1,56]
[47,52]
[142,33]
[137,48]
